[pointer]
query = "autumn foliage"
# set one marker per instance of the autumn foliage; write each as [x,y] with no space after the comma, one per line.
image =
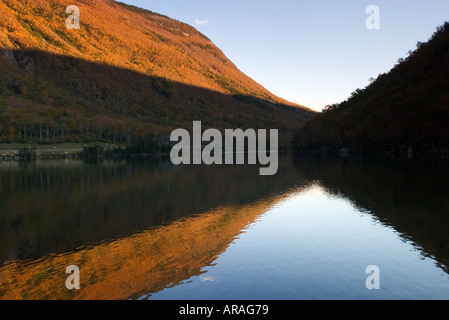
[125,74]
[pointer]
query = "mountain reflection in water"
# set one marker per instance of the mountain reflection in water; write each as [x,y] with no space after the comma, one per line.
[139,227]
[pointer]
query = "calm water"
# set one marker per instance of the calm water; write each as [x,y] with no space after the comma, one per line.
[145,229]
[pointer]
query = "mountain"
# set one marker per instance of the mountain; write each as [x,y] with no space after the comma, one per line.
[125,74]
[402,111]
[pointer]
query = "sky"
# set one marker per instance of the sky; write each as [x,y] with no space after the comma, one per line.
[314,52]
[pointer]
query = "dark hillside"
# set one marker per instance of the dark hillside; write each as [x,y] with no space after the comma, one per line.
[404,110]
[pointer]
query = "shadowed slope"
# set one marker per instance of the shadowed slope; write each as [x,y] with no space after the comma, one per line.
[125,74]
[48,97]
[405,109]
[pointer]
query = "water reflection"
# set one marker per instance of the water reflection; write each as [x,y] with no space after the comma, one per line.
[55,207]
[316,245]
[131,225]
[138,228]
[410,195]
[145,262]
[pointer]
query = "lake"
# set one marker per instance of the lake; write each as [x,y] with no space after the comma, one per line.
[146,229]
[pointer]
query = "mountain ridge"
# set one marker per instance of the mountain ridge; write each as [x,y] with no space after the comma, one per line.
[165,52]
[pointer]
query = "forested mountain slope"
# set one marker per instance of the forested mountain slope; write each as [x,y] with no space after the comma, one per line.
[404,110]
[125,74]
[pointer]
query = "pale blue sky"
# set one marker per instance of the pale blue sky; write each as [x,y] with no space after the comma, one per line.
[310,52]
